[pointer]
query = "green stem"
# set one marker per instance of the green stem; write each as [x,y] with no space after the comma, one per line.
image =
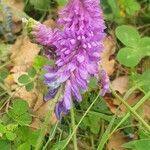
[46,121]
[50,137]
[131,110]
[141,102]
[76,127]
[73,127]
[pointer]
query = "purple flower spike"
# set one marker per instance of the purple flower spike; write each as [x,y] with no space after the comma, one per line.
[51,94]
[60,108]
[42,35]
[78,48]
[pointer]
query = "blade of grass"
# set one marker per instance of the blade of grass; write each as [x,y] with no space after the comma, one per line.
[76,127]
[138,117]
[105,138]
[50,137]
[46,121]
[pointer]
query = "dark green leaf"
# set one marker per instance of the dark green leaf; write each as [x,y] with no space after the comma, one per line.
[5,145]
[24,79]
[31,72]
[29,86]
[41,4]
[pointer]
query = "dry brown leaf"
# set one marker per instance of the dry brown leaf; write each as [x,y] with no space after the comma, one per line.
[18,4]
[146,108]
[23,54]
[116,141]
[109,50]
[121,84]
[113,104]
[43,110]
[51,23]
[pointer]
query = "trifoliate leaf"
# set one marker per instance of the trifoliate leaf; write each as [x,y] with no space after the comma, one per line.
[128,35]
[19,112]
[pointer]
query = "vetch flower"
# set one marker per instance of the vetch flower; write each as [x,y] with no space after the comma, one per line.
[78,48]
[104,82]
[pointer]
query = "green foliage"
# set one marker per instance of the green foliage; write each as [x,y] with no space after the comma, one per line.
[131,6]
[24,79]
[136,47]
[41,4]
[59,145]
[8,131]
[143,79]
[142,144]
[5,145]
[40,61]
[19,112]
[31,72]
[118,10]
[3,74]
[27,137]
[27,79]
[62,2]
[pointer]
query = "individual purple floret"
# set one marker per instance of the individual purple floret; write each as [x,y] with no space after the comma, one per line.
[104,82]
[42,35]
[78,48]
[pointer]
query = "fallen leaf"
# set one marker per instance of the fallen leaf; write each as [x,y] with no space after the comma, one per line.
[109,50]
[44,109]
[23,54]
[113,104]
[18,4]
[121,84]
[146,108]
[50,23]
[116,141]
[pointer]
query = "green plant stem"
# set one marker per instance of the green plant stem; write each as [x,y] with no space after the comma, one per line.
[141,102]
[73,127]
[46,121]
[50,137]
[76,127]
[131,110]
